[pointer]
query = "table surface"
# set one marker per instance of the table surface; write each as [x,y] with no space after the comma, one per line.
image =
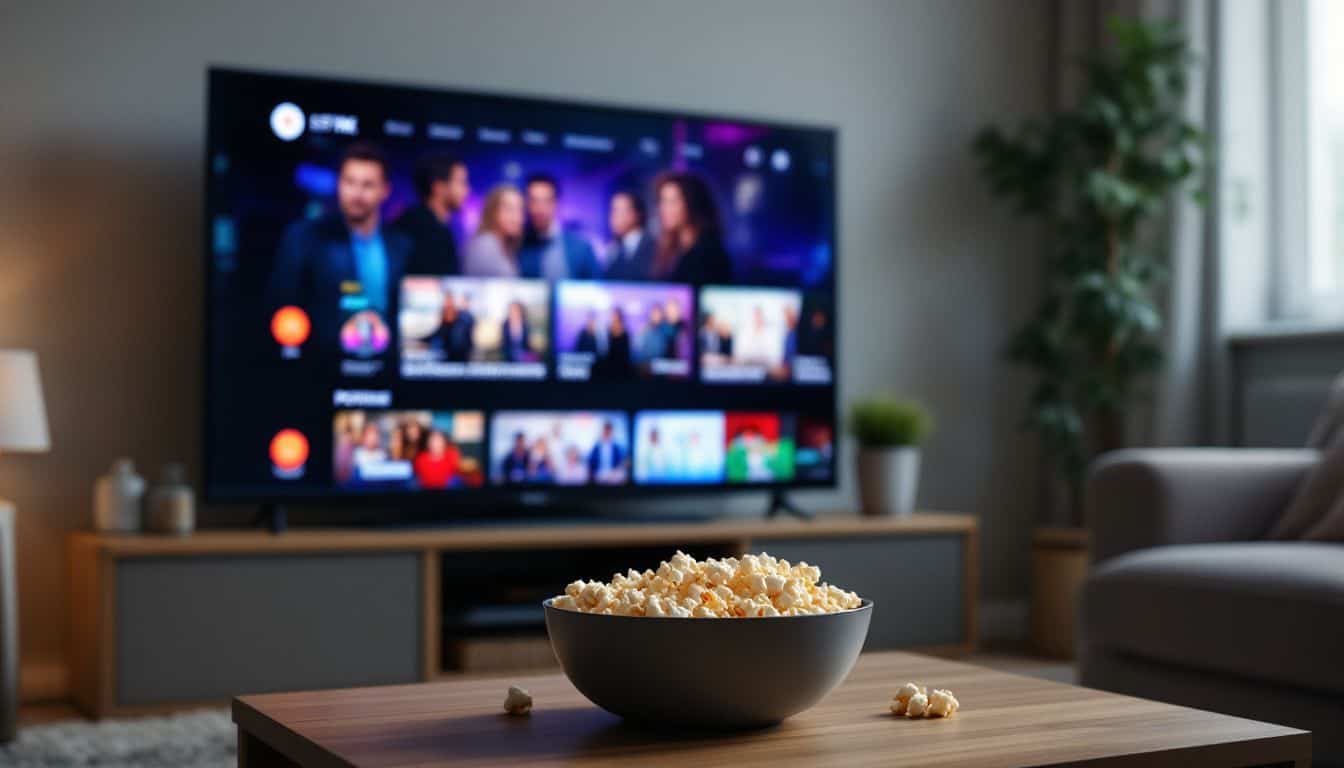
[1005,720]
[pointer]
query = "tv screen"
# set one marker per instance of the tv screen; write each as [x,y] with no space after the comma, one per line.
[432,294]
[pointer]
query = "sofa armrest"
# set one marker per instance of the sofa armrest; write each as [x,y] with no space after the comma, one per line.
[1150,497]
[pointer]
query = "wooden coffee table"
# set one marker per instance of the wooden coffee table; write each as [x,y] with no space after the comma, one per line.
[1006,720]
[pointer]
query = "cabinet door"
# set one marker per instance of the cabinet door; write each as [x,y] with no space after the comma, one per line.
[915,582]
[203,629]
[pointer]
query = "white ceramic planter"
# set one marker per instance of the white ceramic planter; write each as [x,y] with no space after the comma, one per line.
[888,480]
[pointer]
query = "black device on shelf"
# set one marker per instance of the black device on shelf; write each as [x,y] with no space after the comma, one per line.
[476,301]
[497,595]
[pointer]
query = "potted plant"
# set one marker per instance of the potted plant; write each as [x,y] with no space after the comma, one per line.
[1100,176]
[889,432]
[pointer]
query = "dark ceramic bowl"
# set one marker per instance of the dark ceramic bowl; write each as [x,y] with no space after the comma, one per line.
[711,673]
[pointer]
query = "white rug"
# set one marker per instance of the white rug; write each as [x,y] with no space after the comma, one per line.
[204,739]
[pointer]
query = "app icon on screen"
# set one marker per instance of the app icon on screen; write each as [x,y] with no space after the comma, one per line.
[287,121]
[289,453]
[291,327]
[365,334]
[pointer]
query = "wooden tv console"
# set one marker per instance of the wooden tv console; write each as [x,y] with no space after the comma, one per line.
[160,623]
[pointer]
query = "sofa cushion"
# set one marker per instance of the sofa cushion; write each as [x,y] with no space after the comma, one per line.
[1330,527]
[1271,611]
[1320,489]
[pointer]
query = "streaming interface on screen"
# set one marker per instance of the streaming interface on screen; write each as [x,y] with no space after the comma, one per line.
[415,291]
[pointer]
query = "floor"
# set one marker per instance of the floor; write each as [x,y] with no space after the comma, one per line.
[1003,661]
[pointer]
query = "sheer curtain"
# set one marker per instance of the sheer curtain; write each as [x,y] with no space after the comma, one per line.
[1188,397]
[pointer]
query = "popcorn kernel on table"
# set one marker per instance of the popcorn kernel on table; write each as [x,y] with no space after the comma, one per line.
[749,586]
[917,706]
[942,703]
[914,700]
[901,700]
[518,701]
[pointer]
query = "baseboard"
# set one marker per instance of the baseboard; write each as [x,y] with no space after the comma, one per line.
[1004,622]
[43,681]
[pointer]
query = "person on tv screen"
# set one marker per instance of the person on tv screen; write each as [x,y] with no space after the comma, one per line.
[493,250]
[757,343]
[716,339]
[513,467]
[589,339]
[346,441]
[616,363]
[653,340]
[396,443]
[455,331]
[548,251]
[655,459]
[606,462]
[539,468]
[437,466]
[318,259]
[690,243]
[790,334]
[671,327]
[414,434]
[441,185]
[709,337]
[630,254]
[516,335]
[370,451]
[573,470]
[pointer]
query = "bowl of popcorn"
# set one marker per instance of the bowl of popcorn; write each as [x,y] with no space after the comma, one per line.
[720,643]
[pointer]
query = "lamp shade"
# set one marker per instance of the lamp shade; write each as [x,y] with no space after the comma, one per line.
[23,413]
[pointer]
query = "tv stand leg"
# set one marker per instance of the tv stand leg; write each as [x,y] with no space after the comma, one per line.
[780,503]
[274,517]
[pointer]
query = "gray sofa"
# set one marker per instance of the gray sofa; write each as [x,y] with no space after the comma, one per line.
[1186,604]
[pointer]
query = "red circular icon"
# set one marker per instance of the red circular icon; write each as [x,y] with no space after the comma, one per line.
[289,449]
[290,326]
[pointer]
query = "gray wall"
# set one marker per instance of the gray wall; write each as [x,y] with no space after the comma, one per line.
[100,207]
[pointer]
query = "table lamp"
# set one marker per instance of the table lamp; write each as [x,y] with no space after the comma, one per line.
[23,429]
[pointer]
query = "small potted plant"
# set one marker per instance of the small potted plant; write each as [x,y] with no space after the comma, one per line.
[889,432]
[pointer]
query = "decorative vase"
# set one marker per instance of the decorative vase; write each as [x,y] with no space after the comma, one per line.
[117,497]
[888,479]
[171,505]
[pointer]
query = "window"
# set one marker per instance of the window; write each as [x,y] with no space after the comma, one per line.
[1308,161]
[1325,148]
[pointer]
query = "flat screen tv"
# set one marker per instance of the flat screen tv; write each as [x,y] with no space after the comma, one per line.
[476,299]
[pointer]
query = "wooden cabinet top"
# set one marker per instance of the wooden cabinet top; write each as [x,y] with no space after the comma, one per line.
[522,536]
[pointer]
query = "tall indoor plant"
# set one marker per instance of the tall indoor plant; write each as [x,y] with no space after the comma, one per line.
[1100,176]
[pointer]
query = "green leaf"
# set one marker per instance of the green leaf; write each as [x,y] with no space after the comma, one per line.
[1100,176]
[887,421]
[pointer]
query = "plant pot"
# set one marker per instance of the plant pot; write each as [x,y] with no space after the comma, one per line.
[1058,570]
[888,480]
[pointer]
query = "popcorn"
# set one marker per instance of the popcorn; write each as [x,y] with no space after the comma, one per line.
[903,696]
[919,704]
[683,587]
[518,701]
[914,700]
[942,703]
